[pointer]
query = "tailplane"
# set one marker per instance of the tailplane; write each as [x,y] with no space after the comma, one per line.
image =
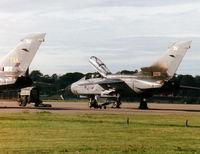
[168,63]
[17,61]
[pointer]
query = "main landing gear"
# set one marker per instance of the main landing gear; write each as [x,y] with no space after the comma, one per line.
[143,104]
[30,95]
[93,103]
[117,103]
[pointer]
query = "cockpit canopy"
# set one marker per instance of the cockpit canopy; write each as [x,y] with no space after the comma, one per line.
[99,66]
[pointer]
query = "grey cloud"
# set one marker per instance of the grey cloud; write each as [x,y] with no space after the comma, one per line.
[124,33]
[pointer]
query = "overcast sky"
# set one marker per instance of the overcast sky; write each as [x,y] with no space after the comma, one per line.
[125,34]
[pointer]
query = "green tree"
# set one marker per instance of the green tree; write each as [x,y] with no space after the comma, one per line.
[36,75]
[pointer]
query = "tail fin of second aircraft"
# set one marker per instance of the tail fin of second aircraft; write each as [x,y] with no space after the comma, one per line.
[99,66]
[17,61]
[168,63]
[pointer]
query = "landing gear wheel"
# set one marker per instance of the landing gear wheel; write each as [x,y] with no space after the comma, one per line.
[23,101]
[38,103]
[93,103]
[90,105]
[143,104]
[117,103]
[114,104]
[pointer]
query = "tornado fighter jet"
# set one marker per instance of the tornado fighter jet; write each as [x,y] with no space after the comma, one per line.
[151,80]
[14,66]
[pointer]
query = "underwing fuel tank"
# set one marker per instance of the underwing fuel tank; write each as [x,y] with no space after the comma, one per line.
[99,66]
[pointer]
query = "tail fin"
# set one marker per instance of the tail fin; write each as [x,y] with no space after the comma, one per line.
[99,66]
[168,63]
[17,61]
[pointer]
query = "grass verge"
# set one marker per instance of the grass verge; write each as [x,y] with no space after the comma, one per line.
[46,132]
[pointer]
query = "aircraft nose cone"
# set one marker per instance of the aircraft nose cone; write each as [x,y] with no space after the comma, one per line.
[68,89]
[73,88]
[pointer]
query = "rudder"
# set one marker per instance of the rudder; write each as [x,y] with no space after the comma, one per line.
[168,63]
[19,59]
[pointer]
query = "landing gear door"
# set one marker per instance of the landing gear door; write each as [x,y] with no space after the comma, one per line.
[99,66]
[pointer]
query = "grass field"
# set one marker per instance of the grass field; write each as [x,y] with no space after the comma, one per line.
[98,133]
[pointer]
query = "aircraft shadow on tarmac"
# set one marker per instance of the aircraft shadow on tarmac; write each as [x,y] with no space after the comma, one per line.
[40,108]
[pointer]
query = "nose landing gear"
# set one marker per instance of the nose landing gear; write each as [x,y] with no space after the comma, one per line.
[93,103]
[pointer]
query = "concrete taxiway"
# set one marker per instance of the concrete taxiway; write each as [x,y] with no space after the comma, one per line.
[82,107]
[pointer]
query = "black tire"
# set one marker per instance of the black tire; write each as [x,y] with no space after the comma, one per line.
[90,105]
[93,103]
[114,104]
[20,103]
[23,101]
[38,103]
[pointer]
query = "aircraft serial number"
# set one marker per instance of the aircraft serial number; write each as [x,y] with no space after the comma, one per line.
[14,60]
